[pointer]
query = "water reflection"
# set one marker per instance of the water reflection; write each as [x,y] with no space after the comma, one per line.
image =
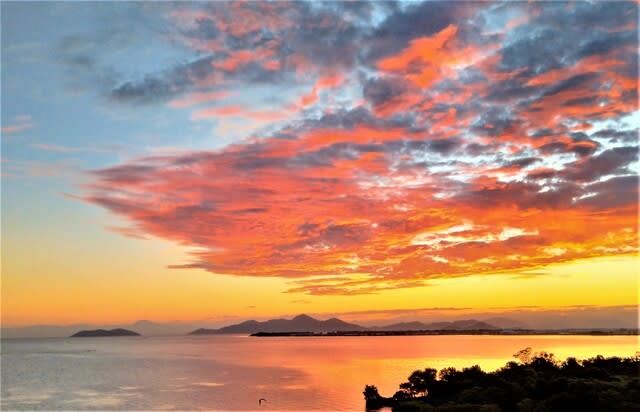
[234,372]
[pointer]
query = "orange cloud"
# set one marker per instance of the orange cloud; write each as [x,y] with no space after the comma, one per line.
[455,154]
[427,59]
[353,221]
[324,82]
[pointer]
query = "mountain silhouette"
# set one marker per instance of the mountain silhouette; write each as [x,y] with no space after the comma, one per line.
[104,333]
[467,324]
[301,323]
[305,323]
[506,323]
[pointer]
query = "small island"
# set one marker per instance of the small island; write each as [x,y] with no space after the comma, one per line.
[96,333]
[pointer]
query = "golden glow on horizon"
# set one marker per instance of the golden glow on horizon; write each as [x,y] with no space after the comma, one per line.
[128,280]
[280,173]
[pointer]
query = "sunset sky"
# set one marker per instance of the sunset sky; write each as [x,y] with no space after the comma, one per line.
[186,161]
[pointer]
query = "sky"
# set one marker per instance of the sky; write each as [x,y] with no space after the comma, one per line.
[194,160]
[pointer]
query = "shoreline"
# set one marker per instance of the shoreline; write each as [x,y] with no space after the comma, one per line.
[521,332]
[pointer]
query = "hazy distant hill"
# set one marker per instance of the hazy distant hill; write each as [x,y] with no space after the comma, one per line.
[43,331]
[605,319]
[506,323]
[104,333]
[144,327]
[469,324]
[148,328]
[301,323]
[304,323]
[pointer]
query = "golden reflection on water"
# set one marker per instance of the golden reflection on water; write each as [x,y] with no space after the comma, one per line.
[234,372]
[341,366]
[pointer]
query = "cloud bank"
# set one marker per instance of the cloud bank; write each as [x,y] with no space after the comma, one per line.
[406,142]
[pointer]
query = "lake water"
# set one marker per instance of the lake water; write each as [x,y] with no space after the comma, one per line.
[233,372]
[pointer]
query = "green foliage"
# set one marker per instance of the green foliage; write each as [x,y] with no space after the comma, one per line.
[537,383]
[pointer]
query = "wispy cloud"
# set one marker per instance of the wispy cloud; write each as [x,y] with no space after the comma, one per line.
[20,124]
[20,169]
[48,147]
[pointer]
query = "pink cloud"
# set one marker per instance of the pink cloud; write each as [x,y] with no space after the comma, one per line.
[22,123]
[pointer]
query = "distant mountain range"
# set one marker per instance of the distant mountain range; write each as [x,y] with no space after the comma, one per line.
[304,323]
[301,323]
[144,327]
[605,319]
[470,324]
[506,323]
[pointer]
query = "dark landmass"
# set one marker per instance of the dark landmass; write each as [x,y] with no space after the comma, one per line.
[454,332]
[104,333]
[143,327]
[470,324]
[604,318]
[536,383]
[301,323]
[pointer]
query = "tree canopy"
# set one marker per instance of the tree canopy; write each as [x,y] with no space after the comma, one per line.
[536,382]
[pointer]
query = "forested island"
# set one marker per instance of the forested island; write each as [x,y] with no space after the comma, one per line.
[537,382]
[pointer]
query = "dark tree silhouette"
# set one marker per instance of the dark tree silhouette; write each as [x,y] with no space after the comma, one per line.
[371,392]
[538,383]
[419,382]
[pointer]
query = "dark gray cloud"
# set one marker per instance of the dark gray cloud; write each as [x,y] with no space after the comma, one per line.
[616,192]
[539,50]
[495,121]
[617,136]
[561,34]
[525,195]
[349,119]
[594,16]
[444,146]
[380,90]
[612,161]
[124,174]
[522,162]
[158,88]
[608,42]
[333,236]
[580,81]
[512,91]
[414,20]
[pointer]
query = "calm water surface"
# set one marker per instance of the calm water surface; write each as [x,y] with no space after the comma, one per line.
[233,372]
